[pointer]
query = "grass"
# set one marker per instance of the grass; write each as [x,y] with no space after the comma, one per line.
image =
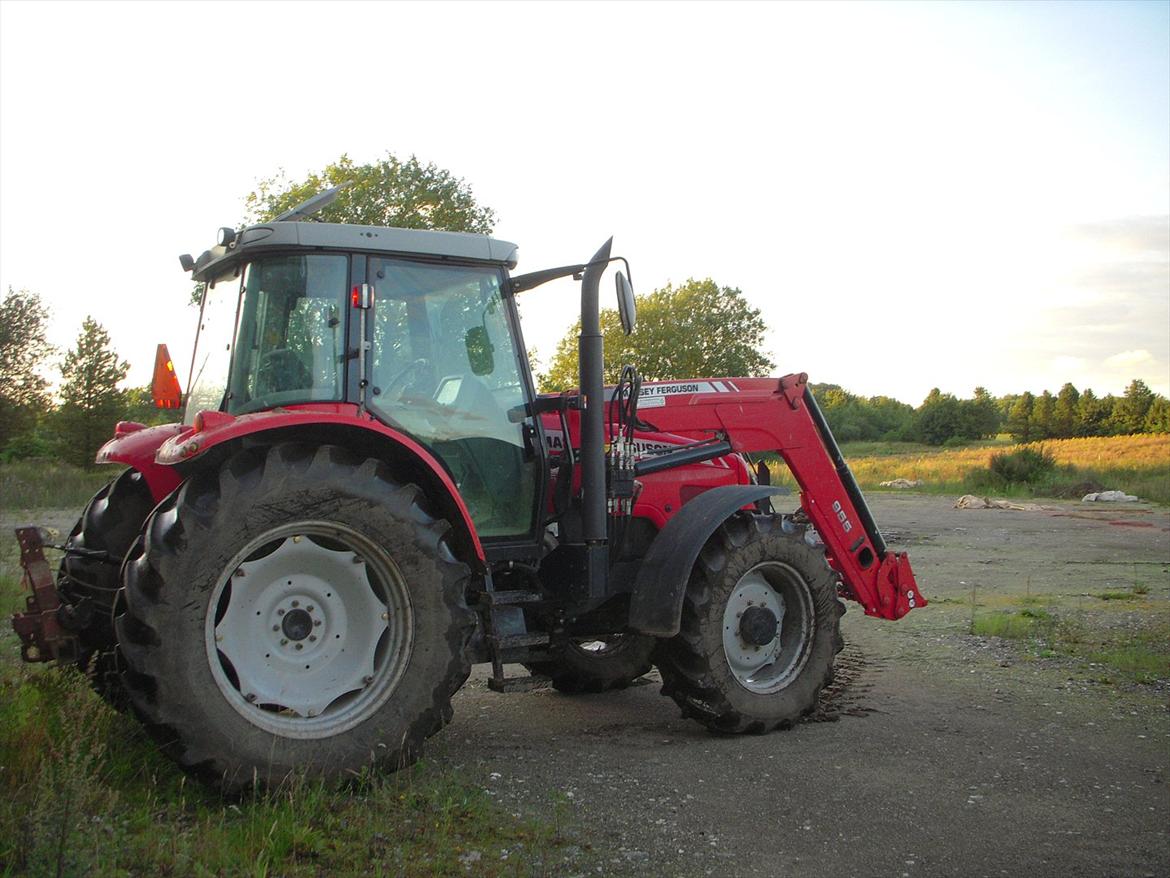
[36,484]
[85,793]
[1134,651]
[1139,465]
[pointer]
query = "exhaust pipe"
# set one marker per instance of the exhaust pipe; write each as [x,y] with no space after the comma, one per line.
[591,365]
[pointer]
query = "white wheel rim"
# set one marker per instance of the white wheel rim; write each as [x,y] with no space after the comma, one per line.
[767,668]
[309,629]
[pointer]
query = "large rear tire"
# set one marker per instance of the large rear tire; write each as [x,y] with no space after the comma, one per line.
[88,585]
[598,664]
[760,628]
[297,611]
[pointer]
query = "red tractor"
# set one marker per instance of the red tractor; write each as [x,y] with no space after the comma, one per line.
[366,496]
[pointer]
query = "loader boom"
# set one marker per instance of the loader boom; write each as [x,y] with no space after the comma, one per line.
[754,415]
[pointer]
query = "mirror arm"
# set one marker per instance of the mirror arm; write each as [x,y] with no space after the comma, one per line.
[523,282]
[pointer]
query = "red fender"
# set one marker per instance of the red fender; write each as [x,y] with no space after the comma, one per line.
[156,451]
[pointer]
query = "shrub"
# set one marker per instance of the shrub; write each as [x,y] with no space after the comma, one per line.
[1025,466]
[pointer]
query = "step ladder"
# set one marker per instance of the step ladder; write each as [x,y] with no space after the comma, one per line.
[507,648]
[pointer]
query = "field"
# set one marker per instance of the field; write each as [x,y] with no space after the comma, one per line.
[1138,465]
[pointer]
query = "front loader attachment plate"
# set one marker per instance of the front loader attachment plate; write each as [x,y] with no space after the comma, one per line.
[42,639]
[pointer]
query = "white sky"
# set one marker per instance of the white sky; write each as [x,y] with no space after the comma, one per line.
[915,195]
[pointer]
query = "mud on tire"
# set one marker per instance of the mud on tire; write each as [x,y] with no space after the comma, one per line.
[88,586]
[716,669]
[297,610]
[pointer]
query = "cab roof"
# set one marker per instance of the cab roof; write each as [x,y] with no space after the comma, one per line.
[338,236]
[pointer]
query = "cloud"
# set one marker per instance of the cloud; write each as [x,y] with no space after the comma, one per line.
[1130,360]
[1108,317]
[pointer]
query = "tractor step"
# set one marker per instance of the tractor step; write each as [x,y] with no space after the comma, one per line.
[510,598]
[519,684]
[517,641]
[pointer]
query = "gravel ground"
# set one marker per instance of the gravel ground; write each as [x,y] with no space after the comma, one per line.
[937,753]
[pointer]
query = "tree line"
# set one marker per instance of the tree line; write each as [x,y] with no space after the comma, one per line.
[89,400]
[695,329]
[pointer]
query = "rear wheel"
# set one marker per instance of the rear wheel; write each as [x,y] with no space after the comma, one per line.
[297,611]
[87,580]
[598,664]
[760,628]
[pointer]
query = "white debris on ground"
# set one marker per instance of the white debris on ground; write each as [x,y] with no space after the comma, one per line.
[1109,497]
[901,483]
[970,501]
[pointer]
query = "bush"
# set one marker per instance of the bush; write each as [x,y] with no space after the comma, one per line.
[26,447]
[1027,466]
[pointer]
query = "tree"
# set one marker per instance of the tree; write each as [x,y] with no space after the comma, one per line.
[1019,422]
[695,330]
[23,392]
[1042,411]
[979,417]
[387,192]
[1064,413]
[1158,417]
[1092,413]
[938,418]
[91,402]
[1129,414]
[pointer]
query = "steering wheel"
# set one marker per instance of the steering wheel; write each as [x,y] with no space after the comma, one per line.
[281,370]
[399,383]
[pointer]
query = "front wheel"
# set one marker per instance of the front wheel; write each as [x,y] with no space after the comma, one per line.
[760,628]
[297,611]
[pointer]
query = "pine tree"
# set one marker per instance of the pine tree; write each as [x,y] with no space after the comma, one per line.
[1064,413]
[1042,411]
[1129,414]
[1019,422]
[91,402]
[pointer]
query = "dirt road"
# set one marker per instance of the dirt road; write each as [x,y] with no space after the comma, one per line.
[950,754]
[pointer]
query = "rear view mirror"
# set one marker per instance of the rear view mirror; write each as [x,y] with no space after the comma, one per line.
[627,309]
[479,351]
[165,385]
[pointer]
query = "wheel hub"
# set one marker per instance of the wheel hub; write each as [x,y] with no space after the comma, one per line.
[758,625]
[297,625]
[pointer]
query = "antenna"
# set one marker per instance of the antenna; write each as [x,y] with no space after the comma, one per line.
[314,204]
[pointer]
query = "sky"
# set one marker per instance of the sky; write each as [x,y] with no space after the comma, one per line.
[915,195]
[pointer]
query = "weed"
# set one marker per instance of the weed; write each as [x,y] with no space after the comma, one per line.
[1115,596]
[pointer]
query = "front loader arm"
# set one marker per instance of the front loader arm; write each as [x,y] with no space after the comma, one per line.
[762,415]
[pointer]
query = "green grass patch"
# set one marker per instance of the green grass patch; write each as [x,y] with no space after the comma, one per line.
[1116,596]
[1135,652]
[86,793]
[37,484]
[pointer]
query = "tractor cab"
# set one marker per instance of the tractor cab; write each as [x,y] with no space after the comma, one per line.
[416,330]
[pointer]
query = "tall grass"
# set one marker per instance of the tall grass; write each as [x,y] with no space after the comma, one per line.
[83,792]
[1137,464]
[38,484]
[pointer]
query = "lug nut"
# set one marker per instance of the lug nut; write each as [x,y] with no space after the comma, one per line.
[296,603]
[300,646]
[283,641]
[280,612]
[357,559]
[367,679]
[250,697]
[312,637]
[316,623]
[275,627]
[310,608]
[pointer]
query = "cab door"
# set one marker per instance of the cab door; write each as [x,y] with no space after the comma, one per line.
[446,369]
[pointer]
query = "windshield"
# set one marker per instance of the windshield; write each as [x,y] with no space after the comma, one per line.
[213,349]
[291,341]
